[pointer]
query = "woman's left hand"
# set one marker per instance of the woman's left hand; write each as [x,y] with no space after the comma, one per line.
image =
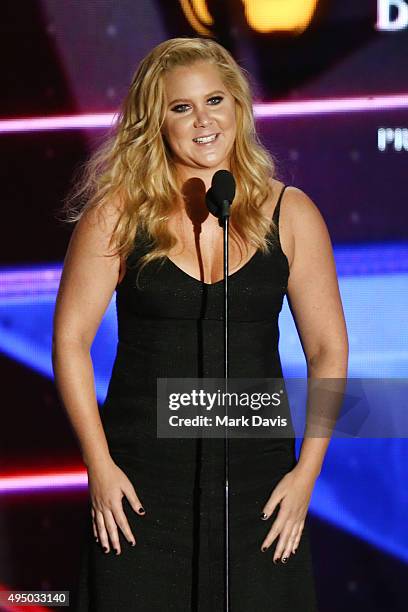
[293,493]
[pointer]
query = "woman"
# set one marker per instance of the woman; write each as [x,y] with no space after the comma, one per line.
[159,502]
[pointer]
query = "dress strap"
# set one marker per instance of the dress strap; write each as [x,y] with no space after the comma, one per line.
[277,209]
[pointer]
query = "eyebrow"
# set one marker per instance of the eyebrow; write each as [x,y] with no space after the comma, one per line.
[206,96]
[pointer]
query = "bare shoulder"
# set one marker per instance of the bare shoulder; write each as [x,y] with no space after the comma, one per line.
[299,219]
[303,218]
[101,220]
[94,230]
[89,276]
[91,244]
[300,204]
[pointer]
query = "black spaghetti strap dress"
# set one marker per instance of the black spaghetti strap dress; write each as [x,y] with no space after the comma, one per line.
[172,326]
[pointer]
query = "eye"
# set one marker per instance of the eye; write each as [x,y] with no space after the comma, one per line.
[175,108]
[216,98]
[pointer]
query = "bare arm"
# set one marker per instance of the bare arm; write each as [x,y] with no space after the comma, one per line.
[87,284]
[315,303]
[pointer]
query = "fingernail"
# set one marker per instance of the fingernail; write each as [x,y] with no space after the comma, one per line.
[294,550]
[275,561]
[263,515]
[105,549]
[116,551]
[264,548]
[133,543]
[141,509]
[284,559]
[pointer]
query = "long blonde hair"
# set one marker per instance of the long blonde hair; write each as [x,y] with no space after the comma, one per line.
[133,166]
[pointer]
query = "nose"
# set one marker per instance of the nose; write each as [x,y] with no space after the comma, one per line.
[202,119]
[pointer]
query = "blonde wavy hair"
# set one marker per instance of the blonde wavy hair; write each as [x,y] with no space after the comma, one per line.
[133,166]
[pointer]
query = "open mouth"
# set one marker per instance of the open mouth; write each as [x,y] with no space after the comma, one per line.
[207,141]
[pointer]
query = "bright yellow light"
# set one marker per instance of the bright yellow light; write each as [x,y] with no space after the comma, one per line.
[279,15]
[197,14]
[265,16]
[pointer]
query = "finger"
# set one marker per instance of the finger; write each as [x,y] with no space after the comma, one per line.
[95,531]
[112,530]
[298,536]
[274,531]
[289,544]
[282,542]
[122,522]
[135,501]
[270,506]
[103,535]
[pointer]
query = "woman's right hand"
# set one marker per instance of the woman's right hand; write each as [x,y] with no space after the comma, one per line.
[107,485]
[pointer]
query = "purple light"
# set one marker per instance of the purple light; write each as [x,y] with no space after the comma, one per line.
[269,110]
[32,283]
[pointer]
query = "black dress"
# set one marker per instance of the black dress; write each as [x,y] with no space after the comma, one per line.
[172,327]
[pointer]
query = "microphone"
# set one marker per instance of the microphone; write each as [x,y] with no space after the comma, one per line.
[218,199]
[221,194]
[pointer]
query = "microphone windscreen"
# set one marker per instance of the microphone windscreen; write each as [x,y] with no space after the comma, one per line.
[222,187]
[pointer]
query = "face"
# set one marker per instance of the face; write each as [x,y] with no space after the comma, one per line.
[198,104]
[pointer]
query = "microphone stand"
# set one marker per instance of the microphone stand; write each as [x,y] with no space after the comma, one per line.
[219,199]
[224,218]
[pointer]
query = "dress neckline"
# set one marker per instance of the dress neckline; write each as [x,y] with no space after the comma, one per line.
[199,281]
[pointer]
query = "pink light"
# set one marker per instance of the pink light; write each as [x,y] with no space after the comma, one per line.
[47,480]
[269,110]
[63,122]
[335,105]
